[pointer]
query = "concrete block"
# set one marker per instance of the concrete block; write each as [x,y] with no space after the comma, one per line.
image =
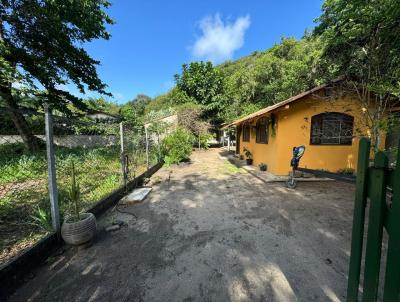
[137,195]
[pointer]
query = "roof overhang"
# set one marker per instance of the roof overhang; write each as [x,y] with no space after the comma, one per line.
[280,104]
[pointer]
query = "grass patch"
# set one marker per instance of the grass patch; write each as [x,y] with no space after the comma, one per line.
[229,169]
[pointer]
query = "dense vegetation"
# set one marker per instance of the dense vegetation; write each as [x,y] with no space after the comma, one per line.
[236,88]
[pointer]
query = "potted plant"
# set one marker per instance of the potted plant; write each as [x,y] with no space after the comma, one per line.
[249,156]
[77,228]
[263,167]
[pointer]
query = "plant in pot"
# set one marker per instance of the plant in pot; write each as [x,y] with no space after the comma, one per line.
[249,156]
[77,228]
[263,167]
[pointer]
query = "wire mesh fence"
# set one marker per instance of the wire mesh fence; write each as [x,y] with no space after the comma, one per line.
[23,184]
[106,155]
[139,150]
[93,147]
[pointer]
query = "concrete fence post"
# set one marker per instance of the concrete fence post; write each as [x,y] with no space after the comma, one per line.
[124,158]
[147,147]
[51,168]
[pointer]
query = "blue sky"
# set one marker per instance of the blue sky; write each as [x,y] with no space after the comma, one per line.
[152,39]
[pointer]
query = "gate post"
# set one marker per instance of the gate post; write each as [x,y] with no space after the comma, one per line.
[358,220]
[392,275]
[375,227]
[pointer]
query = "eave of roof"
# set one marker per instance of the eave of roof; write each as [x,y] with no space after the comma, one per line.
[280,104]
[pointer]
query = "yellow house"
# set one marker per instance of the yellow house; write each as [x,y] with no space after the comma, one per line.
[328,126]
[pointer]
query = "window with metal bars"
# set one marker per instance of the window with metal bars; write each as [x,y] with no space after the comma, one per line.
[331,128]
[246,132]
[262,131]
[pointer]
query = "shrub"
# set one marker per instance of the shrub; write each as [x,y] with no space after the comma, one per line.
[247,153]
[204,140]
[178,146]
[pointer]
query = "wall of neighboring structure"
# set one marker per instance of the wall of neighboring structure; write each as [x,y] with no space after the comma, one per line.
[170,122]
[293,129]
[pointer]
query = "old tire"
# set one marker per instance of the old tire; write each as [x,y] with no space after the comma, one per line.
[79,232]
[291,183]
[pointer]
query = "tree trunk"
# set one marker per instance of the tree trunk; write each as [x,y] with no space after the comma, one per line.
[30,141]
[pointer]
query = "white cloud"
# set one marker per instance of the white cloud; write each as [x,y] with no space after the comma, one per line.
[220,40]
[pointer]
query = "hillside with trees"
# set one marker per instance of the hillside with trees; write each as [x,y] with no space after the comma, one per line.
[236,88]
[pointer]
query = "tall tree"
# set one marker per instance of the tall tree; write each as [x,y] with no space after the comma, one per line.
[41,42]
[202,82]
[362,44]
[134,110]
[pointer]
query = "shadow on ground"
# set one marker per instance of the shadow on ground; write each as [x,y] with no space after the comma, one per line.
[211,233]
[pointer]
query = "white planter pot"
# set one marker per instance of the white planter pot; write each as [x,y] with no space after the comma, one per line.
[79,232]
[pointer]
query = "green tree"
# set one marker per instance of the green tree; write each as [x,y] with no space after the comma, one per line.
[265,78]
[178,146]
[134,110]
[203,83]
[362,44]
[102,104]
[40,42]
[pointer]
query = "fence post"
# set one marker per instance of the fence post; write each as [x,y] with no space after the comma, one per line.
[123,159]
[358,220]
[375,228]
[51,168]
[147,147]
[121,135]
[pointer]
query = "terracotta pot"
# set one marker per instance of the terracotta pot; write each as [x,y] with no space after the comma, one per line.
[79,232]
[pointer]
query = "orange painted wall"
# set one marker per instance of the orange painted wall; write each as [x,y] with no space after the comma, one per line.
[293,129]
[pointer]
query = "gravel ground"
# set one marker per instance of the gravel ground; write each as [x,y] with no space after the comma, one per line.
[212,232]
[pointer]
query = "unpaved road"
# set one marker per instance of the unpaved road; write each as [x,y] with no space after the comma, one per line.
[213,233]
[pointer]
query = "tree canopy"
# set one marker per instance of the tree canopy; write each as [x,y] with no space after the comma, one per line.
[41,43]
[361,42]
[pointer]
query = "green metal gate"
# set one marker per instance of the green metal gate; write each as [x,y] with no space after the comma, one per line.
[378,187]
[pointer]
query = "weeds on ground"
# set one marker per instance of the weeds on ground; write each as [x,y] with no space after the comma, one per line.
[229,169]
[24,202]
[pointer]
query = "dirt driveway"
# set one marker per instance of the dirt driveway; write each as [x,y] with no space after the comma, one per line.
[213,233]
